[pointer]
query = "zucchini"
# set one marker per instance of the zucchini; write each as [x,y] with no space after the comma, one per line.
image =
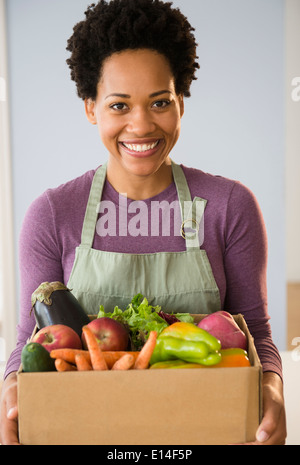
[35,357]
[53,303]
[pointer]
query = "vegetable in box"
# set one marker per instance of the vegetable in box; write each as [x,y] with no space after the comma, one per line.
[140,318]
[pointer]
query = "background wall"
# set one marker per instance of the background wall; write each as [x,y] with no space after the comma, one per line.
[233,124]
[292,130]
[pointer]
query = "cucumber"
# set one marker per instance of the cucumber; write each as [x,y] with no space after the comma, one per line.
[35,358]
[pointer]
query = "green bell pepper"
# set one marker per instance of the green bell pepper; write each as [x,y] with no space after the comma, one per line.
[185,341]
[175,364]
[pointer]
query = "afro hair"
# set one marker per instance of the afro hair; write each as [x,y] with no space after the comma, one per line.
[117,25]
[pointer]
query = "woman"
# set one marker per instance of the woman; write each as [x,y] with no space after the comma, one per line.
[133,62]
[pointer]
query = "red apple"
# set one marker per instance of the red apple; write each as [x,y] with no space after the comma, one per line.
[223,326]
[110,334]
[58,337]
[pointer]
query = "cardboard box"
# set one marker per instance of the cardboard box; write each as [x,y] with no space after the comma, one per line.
[142,407]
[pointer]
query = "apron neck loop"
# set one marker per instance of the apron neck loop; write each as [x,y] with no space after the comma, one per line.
[191,211]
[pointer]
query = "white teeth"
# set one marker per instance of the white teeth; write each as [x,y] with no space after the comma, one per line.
[141,147]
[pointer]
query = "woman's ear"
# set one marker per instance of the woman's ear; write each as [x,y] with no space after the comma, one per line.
[89,106]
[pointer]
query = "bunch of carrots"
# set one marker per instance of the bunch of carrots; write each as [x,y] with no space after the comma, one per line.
[96,359]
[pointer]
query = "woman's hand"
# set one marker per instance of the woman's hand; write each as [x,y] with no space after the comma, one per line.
[9,411]
[272,430]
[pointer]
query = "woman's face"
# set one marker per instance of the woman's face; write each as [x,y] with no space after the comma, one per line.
[137,111]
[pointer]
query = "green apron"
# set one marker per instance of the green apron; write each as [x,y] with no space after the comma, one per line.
[176,281]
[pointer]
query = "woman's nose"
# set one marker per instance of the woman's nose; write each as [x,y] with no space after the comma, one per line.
[141,122]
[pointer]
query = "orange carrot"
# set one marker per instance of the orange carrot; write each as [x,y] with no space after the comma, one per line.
[62,365]
[111,356]
[124,363]
[69,354]
[97,359]
[145,354]
[82,363]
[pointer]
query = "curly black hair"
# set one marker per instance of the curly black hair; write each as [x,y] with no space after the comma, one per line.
[117,25]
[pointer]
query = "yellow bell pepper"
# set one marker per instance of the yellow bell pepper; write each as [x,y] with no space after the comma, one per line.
[188,342]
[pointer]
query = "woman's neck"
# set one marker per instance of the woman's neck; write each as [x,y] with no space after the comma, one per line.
[139,187]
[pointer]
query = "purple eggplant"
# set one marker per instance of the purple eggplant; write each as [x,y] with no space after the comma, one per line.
[53,303]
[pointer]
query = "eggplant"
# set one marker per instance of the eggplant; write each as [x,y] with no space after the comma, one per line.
[53,303]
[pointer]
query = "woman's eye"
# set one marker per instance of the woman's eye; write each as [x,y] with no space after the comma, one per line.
[118,106]
[161,103]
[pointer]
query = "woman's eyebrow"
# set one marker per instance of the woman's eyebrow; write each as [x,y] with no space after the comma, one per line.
[154,94]
[118,95]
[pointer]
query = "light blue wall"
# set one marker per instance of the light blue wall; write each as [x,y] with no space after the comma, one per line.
[233,124]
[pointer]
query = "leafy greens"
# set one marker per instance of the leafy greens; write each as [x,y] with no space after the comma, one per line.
[140,318]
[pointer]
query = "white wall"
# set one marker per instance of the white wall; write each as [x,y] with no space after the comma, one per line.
[7,262]
[233,124]
[292,175]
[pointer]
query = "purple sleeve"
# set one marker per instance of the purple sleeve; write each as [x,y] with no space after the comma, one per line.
[39,261]
[245,262]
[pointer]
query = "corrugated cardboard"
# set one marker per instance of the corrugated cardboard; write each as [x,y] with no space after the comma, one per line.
[142,407]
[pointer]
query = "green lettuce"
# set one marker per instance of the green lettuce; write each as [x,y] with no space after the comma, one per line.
[140,318]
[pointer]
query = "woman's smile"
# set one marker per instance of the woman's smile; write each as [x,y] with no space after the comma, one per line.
[141,149]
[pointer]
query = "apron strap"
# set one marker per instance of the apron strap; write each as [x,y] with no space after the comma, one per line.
[191,211]
[92,209]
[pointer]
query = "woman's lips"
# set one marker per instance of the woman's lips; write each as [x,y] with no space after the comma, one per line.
[141,149]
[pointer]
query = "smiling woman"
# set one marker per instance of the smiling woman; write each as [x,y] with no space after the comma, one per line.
[133,62]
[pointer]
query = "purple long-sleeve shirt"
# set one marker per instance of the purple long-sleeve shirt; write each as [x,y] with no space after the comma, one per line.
[234,239]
